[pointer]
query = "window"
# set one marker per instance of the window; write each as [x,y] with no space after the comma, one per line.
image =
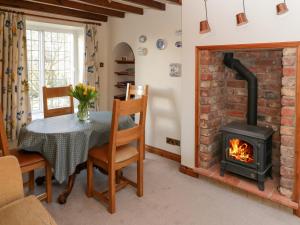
[55,58]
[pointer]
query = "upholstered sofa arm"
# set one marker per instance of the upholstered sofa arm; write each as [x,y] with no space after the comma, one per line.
[11,183]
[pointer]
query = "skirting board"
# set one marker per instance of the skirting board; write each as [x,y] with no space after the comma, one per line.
[163,153]
[188,171]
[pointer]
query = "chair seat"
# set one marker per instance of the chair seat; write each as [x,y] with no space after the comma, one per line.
[123,153]
[26,158]
[25,211]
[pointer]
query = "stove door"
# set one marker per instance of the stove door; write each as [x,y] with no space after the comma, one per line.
[241,150]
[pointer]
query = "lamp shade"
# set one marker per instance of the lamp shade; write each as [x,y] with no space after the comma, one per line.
[281,8]
[241,19]
[204,27]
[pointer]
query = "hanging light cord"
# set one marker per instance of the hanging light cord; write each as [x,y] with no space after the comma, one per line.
[206,9]
[244,6]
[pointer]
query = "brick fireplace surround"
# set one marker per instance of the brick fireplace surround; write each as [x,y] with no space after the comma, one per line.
[221,98]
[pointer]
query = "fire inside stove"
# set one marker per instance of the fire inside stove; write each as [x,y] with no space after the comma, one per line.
[240,150]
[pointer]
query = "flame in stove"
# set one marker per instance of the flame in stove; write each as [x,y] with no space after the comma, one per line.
[240,150]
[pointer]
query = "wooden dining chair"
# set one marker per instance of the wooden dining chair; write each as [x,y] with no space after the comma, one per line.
[57,92]
[29,162]
[125,147]
[136,91]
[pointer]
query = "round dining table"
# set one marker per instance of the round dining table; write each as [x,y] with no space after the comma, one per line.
[64,141]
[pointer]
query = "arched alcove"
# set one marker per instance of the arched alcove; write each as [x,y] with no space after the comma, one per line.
[123,67]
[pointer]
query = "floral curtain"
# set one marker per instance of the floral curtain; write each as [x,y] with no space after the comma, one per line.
[92,61]
[14,91]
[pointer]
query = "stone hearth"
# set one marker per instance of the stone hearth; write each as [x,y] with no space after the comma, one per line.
[223,99]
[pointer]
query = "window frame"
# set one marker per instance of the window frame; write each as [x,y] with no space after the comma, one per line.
[77,33]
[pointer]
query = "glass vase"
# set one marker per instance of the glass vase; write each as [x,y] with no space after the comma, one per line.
[83,112]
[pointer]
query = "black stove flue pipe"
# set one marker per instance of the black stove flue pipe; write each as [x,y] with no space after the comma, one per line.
[236,65]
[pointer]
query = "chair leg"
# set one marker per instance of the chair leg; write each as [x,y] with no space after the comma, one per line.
[48,171]
[112,191]
[118,176]
[90,178]
[31,181]
[140,177]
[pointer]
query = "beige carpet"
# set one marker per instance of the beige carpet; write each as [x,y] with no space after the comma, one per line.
[170,198]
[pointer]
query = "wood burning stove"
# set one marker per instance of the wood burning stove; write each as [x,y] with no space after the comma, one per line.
[247,148]
[247,151]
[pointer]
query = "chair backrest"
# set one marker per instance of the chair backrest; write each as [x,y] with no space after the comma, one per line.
[11,183]
[57,92]
[136,91]
[126,136]
[3,137]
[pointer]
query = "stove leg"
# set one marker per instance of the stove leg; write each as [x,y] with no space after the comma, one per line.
[261,182]
[297,212]
[222,172]
[261,186]
[271,174]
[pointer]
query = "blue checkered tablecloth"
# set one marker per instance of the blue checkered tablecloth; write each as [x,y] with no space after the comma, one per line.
[64,140]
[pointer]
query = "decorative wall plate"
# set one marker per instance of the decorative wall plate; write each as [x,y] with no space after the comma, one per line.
[161,44]
[142,39]
[178,44]
[175,69]
[142,51]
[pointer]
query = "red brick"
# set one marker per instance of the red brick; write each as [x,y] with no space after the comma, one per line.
[236,114]
[205,84]
[286,192]
[289,51]
[287,121]
[289,71]
[289,60]
[236,83]
[288,141]
[289,82]
[287,130]
[286,183]
[287,151]
[205,53]
[288,111]
[287,172]
[286,91]
[206,77]
[288,101]
[205,109]
[206,140]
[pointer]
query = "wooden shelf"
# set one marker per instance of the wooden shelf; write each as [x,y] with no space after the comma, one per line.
[124,74]
[123,84]
[119,86]
[121,96]
[125,61]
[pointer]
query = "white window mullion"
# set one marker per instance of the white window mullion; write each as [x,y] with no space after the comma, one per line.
[75,59]
[42,62]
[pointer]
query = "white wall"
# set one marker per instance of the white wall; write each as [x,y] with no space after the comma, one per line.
[264,26]
[163,118]
[103,41]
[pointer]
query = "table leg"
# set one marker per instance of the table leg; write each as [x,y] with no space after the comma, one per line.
[62,198]
[41,180]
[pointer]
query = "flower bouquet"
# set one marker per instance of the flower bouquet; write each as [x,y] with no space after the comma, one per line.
[85,95]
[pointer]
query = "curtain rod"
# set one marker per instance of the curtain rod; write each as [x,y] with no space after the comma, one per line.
[49,17]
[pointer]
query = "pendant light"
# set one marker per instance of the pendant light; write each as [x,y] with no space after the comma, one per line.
[282,8]
[204,25]
[241,18]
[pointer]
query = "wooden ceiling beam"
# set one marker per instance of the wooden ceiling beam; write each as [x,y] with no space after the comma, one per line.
[179,2]
[115,5]
[82,7]
[149,3]
[52,9]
